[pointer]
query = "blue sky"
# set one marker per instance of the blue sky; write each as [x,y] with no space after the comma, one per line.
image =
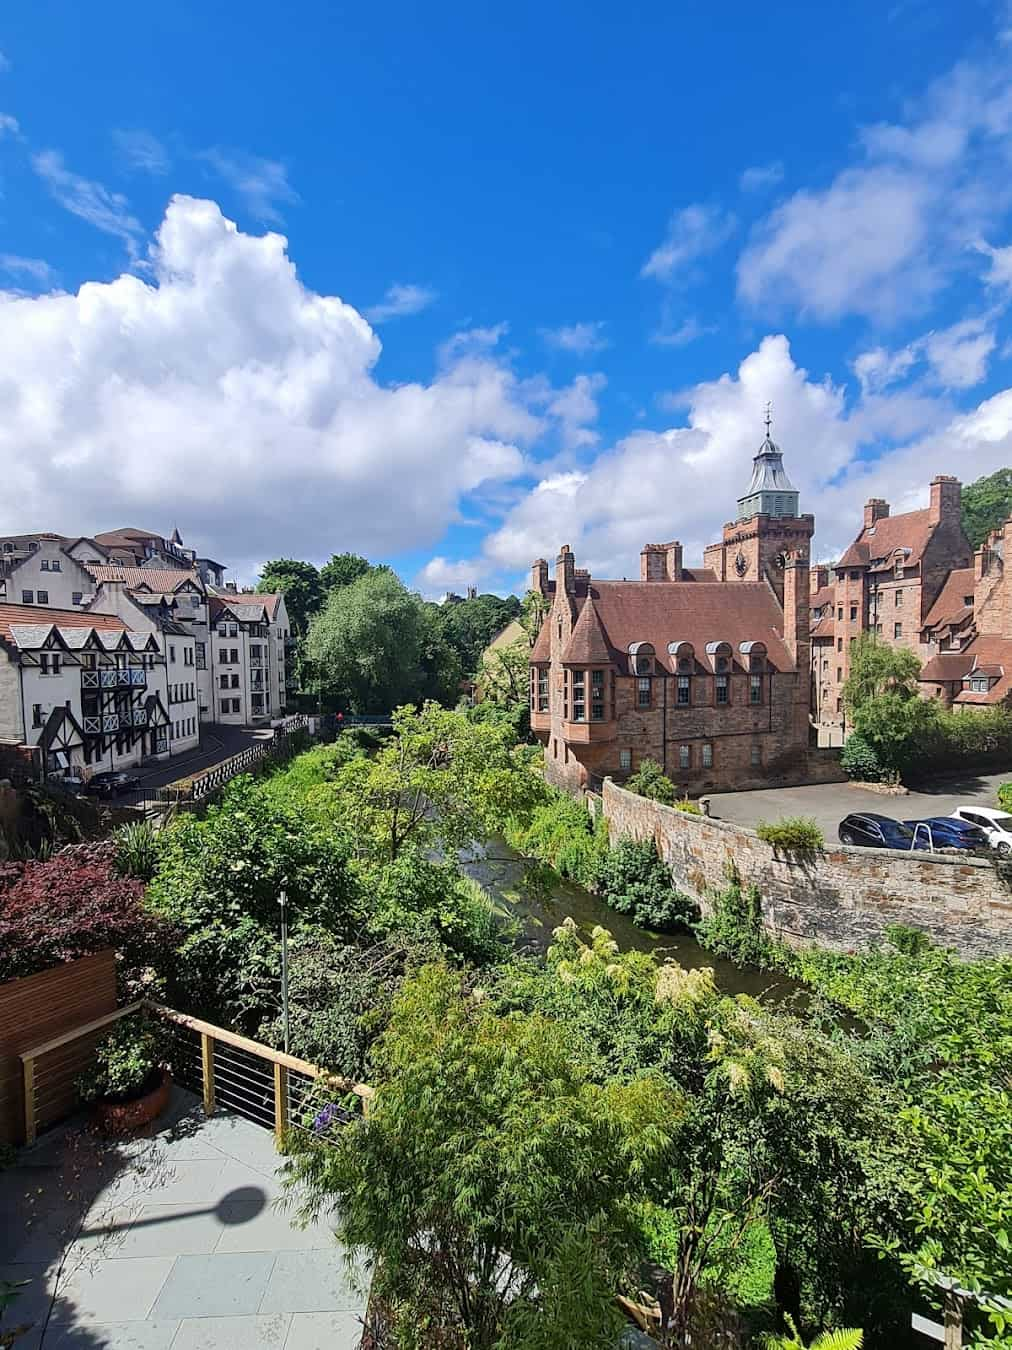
[578,248]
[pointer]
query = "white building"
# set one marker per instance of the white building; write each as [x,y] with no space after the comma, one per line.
[250,636]
[93,693]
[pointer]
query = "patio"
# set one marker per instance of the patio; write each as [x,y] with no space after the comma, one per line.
[174,1240]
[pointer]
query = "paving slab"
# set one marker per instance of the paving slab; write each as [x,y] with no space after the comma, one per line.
[314,1281]
[112,1336]
[325,1331]
[269,1332]
[265,1228]
[104,1290]
[232,1284]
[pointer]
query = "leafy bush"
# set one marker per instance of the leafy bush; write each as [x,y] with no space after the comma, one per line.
[125,1058]
[1005,796]
[690,808]
[734,928]
[741,1266]
[562,834]
[649,780]
[136,850]
[634,881]
[798,835]
[859,760]
[72,905]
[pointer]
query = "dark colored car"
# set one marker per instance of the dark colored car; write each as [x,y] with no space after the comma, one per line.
[113,782]
[949,833]
[874,831]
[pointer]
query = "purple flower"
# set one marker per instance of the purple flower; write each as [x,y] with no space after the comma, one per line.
[325,1118]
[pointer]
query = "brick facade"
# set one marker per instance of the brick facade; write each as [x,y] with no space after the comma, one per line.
[890,582]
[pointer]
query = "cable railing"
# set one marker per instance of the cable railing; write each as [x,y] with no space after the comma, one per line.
[227,1071]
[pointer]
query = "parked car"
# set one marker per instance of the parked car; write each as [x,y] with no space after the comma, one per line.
[69,782]
[874,831]
[113,782]
[997,825]
[949,832]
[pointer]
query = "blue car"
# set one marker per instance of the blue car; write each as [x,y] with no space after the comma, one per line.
[870,830]
[946,832]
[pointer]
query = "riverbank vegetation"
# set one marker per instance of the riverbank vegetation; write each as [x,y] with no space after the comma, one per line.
[552,1131]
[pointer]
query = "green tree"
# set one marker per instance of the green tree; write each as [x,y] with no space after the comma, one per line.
[503,682]
[299,583]
[533,612]
[896,725]
[987,504]
[343,569]
[470,625]
[367,643]
[438,783]
[649,780]
[489,1164]
[876,668]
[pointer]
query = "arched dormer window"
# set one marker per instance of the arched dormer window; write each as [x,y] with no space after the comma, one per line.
[754,656]
[683,656]
[642,657]
[720,656]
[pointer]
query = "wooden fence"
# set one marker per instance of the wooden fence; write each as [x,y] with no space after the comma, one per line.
[224,1069]
[39,1009]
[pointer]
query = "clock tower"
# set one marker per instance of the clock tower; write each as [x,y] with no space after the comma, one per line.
[769,525]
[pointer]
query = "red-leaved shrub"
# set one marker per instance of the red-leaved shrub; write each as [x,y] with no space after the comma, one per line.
[74,904]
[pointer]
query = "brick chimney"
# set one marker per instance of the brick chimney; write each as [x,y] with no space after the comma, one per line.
[820,577]
[539,576]
[875,508]
[946,498]
[661,562]
[565,572]
[797,610]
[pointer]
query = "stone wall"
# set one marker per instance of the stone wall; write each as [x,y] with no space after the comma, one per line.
[844,898]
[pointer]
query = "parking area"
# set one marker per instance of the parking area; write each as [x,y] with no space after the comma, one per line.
[828,803]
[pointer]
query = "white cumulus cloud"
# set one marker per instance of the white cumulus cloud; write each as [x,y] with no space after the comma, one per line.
[578,338]
[401,300]
[224,394]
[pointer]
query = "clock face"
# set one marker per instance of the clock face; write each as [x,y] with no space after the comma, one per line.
[741,564]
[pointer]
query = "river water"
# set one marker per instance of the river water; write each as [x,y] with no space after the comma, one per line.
[500,870]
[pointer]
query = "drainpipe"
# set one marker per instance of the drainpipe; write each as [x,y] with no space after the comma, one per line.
[664,728]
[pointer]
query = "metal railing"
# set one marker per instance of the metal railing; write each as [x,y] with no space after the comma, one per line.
[227,1071]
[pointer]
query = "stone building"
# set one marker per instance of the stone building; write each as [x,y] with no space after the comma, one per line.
[704,670]
[907,578]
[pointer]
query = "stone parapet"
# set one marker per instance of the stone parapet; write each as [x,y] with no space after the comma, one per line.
[843,898]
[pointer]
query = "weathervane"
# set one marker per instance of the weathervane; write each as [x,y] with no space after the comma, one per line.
[769,417]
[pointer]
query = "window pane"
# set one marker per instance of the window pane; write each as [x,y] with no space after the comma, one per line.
[684,756]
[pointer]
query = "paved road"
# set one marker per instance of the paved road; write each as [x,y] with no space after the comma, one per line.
[828,803]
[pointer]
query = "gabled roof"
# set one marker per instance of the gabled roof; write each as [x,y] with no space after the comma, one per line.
[37,616]
[946,667]
[246,607]
[876,545]
[990,655]
[587,645]
[949,607]
[162,580]
[660,612]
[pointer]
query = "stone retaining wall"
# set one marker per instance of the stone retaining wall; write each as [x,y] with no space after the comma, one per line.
[843,898]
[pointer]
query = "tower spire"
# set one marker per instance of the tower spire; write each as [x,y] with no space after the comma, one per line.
[769,418]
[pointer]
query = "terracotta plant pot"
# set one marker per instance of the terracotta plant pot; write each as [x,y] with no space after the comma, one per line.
[122,1117]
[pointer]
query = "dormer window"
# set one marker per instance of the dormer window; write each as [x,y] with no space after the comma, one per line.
[641,658]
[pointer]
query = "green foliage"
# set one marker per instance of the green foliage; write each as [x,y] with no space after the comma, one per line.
[503,683]
[219,880]
[375,645]
[734,927]
[898,726]
[561,833]
[299,583]
[136,850]
[633,880]
[124,1060]
[842,1339]
[343,569]
[987,504]
[690,807]
[470,625]
[649,780]
[421,901]
[1005,796]
[793,835]
[439,782]
[860,761]
[489,1165]
[876,669]
[942,1033]
[743,1271]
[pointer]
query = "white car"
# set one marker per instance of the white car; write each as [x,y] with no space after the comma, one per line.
[997,825]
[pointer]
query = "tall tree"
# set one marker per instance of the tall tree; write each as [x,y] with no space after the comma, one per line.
[987,504]
[299,583]
[370,645]
[342,570]
[470,625]
[876,669]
